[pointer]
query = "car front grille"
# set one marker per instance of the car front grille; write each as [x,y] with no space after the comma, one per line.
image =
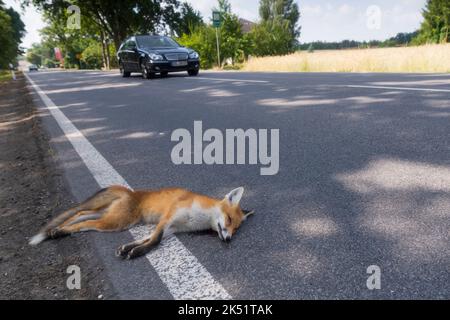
[176,56]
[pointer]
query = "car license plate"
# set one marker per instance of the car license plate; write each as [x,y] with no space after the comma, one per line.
[179,63]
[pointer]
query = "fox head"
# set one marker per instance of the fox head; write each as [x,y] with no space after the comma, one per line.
[230,215]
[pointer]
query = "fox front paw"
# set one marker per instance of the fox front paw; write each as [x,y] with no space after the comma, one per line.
[122,252]
[136,253]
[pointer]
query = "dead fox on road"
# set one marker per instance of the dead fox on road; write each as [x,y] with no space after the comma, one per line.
[172,210]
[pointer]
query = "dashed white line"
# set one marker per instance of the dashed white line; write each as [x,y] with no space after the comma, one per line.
[398,88]
[185,277]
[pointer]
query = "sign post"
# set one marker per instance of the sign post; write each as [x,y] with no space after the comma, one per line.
[217,22]
[13,74]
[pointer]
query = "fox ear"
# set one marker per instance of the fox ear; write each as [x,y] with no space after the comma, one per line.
[235,196]
[247,214]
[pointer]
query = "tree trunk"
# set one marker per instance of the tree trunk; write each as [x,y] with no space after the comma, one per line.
[108,55]
[117,41]
[105,51]
[104,58]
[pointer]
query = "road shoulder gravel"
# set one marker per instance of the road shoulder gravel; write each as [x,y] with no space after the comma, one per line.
[33,191]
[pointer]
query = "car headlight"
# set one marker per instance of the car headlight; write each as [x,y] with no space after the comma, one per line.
[156,57]
[193,55]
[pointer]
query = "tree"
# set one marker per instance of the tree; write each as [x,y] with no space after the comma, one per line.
[17,25]
[12,30]
[92,56]
[436,25]
[270,10]
[231,45]
[189,20]
[41,55]
[278,30]
[224,6]
[104,22]
[271,38]
[202,40]
[119,19]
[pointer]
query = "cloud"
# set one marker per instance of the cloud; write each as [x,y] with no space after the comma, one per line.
[346,9]
[33,22]
[314,10]
[245,9]
[340,20]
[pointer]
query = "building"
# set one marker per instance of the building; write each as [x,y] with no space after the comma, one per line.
[246,25]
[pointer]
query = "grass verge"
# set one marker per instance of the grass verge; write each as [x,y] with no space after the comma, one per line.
[429,58]
[5,75]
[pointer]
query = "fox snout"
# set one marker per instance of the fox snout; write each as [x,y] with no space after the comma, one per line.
[223,233]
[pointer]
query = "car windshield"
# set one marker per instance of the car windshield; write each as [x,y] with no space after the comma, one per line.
[156,42]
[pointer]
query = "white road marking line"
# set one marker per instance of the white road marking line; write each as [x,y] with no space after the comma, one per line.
[178,268]
[230,80]
[398,88]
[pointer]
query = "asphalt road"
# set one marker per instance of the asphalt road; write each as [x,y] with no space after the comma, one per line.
[364,176]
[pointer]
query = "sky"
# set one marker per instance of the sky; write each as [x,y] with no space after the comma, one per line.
[321,20]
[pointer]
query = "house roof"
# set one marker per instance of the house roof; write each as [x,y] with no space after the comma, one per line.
[246,25]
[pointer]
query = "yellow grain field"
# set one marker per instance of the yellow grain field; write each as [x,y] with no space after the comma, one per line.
[428,58]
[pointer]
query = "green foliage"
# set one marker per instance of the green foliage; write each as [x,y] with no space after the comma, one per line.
[49,63]
[4,75]
[119,19]
[401,39]
[281,9]
[34,55]
[436,25]
[224,6]
[92,56]
[233,45]
[41,55]
[81,48]
[12,30]
[202,40]
[189,20]
[272,37]
[278,31]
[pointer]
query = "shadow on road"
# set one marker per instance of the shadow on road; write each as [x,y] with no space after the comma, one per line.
[364,174]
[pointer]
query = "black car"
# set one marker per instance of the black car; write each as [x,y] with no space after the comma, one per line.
[149,55]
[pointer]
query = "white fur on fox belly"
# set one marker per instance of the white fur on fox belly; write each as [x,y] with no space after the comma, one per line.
[194,218]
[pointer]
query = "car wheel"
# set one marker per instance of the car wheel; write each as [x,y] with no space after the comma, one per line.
[193,73]
[164,74]
[124,73]
[146,74]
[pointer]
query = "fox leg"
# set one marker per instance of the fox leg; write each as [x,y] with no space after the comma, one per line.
[116,218]
[82,216]
[90,225]
[99,201]
[141,247]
